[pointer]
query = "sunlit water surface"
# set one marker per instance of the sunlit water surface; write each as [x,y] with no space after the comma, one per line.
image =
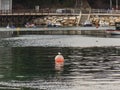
[27,63]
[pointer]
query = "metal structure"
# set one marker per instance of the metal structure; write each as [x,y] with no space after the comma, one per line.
[20,17]
[6,6]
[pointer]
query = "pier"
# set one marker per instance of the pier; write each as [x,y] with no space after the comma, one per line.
[93,31]
[20,17]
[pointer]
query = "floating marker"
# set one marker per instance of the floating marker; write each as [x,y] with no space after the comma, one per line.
[59,62]
[59,58]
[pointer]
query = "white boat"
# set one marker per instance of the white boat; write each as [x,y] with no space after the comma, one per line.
[115,31]
[28,25]
[8,26]
[87,23]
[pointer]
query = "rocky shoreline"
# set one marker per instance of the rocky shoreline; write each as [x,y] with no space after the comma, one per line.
[56,20]
[105,20]
[72,20]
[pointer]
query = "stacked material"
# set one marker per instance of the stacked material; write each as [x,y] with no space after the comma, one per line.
[105,20]
[56,21]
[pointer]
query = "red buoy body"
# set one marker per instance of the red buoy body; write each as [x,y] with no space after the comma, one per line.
[59,58]
[59,62]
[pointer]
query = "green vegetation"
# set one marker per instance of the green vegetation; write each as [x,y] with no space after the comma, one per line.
[43,3]
[30,4]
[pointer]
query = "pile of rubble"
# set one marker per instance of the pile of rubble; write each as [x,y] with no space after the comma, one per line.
[56,21]
[105,20]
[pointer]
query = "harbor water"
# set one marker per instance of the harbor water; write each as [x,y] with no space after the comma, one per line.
[91,63]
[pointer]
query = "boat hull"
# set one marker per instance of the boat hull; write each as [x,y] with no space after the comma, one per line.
[113,32]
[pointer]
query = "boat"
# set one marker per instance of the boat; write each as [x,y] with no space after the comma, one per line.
[30,25]
[8,26]
[87,23]
[115,31]
[56,24]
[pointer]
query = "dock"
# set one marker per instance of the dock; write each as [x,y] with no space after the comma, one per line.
[20,17]
[13,32]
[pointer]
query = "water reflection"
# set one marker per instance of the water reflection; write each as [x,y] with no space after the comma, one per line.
[59,66]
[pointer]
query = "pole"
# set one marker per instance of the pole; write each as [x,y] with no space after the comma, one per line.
[75,4]
[116,4]
[111,4]
[81,3]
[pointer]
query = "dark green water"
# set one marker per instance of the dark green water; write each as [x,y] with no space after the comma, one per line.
[33,67]
[29,68]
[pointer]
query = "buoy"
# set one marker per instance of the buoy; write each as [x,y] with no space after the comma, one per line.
[59,62]
[59,58]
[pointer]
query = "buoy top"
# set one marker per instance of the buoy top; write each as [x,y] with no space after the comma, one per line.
[59,53]
[59,58]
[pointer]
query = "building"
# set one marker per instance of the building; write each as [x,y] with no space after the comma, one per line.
[5,6]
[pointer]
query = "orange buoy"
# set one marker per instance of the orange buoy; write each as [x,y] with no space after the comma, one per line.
[59,62]
[59,58]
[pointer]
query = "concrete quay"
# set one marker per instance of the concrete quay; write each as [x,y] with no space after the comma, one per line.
[10,32]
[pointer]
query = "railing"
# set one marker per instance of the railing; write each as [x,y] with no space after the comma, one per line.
[105,11]
[63,11]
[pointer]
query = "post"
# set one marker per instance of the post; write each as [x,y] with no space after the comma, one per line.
[75,4]
[0,6]
[116,4]
[78,21]
[110,4]
[10,6]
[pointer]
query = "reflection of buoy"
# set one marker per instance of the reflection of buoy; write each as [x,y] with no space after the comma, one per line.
[59,58]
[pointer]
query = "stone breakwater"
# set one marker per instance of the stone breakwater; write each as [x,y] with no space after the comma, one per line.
[73,20]
[105,20]
[57,20]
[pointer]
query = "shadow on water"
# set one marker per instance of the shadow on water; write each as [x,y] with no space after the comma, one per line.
[34,68]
